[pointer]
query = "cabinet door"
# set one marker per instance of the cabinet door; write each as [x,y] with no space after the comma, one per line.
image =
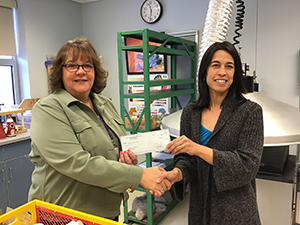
[15,150]
[3,196]
[18,173]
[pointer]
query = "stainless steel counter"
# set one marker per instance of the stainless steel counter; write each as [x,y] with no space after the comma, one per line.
[281,121]
[19,137]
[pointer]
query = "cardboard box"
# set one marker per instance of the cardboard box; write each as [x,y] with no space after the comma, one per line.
[142,123]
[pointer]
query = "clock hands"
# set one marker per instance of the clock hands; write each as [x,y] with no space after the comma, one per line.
[150,8]
[151,11]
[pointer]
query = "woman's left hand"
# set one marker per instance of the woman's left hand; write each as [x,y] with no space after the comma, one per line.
[182,144]
[128,157]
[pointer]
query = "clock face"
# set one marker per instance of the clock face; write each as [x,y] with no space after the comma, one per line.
[151,11]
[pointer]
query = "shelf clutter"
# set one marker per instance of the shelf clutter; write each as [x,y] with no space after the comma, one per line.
[135,118]
[26,105]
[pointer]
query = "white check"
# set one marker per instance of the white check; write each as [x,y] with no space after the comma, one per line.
[153,141]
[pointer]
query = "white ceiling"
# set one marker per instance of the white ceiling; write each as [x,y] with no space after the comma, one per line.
[84,1]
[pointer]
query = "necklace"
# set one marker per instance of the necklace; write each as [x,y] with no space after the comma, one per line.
[104,124]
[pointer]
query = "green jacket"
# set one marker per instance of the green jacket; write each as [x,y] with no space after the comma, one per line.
[75,160]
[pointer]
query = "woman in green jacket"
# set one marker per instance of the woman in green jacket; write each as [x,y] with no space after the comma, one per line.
[75,136]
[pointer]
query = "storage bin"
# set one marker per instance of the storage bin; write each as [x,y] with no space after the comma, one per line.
[46,213]
[142,123]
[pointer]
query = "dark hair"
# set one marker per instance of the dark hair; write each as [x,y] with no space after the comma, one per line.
[83,48]
[236,90]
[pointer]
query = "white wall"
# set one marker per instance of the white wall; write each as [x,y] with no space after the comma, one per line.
[270,37]
[278,49]
[103,19]
[44,26]
[270,40]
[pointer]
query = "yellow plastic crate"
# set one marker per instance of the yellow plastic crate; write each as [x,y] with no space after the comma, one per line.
[46,213]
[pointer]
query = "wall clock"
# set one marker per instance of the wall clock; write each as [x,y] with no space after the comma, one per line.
[151,11]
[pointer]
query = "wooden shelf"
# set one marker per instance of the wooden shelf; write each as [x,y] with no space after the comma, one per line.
[16,111]
[11,111]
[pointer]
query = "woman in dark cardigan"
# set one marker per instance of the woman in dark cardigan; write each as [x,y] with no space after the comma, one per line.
[219,151]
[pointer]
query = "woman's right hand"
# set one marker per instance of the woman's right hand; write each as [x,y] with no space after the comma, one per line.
[172,176]
[149,181]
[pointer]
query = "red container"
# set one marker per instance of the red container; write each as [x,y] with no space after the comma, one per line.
[2,132]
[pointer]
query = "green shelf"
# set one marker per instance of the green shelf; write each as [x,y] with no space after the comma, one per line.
[153,83]
[158,50]
[172,47]
[153,95]
[170,206]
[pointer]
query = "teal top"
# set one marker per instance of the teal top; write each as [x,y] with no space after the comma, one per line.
[204,135]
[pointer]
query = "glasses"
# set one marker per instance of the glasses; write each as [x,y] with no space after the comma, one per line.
[75,67]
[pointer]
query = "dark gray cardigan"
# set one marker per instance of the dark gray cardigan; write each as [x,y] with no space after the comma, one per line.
[224,193]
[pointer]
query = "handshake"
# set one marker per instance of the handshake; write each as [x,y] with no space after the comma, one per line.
[157,180]
[154,179]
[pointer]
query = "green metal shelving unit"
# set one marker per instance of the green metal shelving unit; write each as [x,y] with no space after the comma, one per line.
[169,47]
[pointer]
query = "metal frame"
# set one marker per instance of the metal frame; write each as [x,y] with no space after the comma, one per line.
[168,48]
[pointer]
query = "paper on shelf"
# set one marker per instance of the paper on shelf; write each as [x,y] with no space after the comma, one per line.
[162,156]
[158,164]
[153,141]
